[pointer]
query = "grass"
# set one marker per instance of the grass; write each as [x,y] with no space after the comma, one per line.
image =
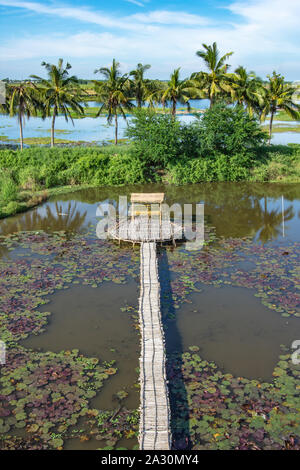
[281,164]
[282,128]
[283,116]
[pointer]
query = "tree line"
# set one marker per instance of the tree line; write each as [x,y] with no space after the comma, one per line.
[61,94]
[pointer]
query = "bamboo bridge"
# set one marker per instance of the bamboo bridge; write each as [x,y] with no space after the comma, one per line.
[154,428]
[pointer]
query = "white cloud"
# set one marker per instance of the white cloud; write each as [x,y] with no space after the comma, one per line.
[270,14]
[80,14]
[135,2]
[264,35]
[170,18]
[136,22]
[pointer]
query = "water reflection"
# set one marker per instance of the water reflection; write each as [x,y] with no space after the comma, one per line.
[234,209]
[50,217]
[271,222]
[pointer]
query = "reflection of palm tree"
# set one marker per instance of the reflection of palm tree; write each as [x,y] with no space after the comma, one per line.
[3,251]
[69,220]
[270,222]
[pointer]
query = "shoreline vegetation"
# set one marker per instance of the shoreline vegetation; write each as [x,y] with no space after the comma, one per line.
[49,172]
[229,141]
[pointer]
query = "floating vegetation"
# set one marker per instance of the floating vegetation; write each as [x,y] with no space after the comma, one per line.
[44,394]
[227,412]
[273,271]
[45,397]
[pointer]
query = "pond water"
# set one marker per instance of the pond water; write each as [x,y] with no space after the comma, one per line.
[235,300]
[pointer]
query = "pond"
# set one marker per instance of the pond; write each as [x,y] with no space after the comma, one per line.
[231,312]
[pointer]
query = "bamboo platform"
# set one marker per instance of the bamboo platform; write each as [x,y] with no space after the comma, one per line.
[145,229]
[154,431]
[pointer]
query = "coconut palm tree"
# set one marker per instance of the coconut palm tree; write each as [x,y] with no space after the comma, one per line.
[249,90]
[140,85]
[278,96]
[60,93]
[177,91]
[113,92]
[156,88]
[22,101]
[216,81]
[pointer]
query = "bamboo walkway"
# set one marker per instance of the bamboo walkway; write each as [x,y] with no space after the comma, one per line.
[154,432]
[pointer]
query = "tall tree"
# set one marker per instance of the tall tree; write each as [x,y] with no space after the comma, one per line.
[278,97]
[140,85]
[113,92]
[23,102]
[249,90]
[60,93]
[216,81]
[177,91]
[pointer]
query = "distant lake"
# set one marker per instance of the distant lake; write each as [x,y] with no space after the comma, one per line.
[98,130]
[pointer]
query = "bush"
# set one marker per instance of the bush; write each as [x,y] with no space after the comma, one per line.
[124,170]
[229,131]
[12,208]
[29,178]
[8,189]
[277,164]
[156,137]
[220,168]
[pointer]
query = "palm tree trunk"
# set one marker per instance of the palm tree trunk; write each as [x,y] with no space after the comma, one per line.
[52,126]
[174,107]
[270,126]
[116,129]
[21,131]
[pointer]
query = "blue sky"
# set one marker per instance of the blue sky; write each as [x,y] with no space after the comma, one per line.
[264,34]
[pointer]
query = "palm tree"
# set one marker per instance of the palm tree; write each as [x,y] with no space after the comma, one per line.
[23,102]
[113,93]
[60,93]
[156,89]
[216,80]
[249,90]
[140,84]
[278,96]
[177,91]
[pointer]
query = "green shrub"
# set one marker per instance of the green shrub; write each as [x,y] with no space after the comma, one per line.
[228,131]
[29,178]
[125,170]
[156,137]
[218,168]
[8,189]
[12,208]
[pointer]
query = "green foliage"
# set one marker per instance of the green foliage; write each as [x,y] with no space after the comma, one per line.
[228,130]
[8,189]
[46,168]
[220,168]
[278,163]
[156,137]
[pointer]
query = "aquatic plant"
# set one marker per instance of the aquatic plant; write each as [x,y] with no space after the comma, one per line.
[226,412]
